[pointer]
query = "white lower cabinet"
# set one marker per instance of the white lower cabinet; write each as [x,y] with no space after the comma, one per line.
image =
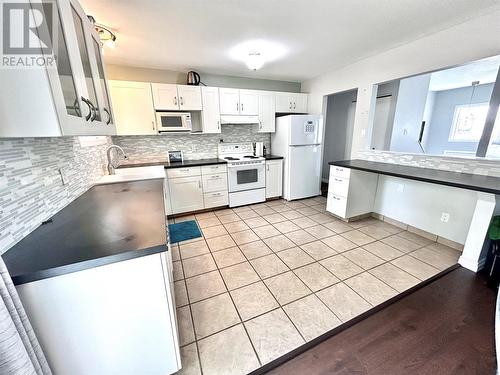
[186,194]
[118,318]
[274,178]
[216,199]
[214,182]
[195,188]
[351,192]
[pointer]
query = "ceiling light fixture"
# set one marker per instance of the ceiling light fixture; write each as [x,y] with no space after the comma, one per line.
[106,36]
[255,60]
[255,53]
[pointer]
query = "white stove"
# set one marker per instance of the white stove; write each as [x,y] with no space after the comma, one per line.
[245,172]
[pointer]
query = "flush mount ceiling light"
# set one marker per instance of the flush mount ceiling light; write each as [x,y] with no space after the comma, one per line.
[106,36]
[255,53]
[255,60]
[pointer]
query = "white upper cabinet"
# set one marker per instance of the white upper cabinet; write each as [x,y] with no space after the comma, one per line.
[168,97]
[229,101]
[165,96]
[299,103]
[239,102]
[249,102]
[267,112]
[210,116]
[289,102]
[68,98]
[189,97]
[133,107]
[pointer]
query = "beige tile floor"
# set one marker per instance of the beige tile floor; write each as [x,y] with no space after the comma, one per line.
[266,278]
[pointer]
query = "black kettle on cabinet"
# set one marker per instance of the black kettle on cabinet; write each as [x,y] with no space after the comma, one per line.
[193,78]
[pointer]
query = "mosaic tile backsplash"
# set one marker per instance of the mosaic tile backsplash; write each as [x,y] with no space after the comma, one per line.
[447,163]
[31,188]
[141,148]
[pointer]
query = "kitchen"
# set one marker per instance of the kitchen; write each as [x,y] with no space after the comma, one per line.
[155,219]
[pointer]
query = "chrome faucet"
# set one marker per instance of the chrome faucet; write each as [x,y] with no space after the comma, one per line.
[111,165]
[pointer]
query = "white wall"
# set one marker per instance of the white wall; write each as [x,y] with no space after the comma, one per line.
[421,204]
[477,38]
[410,107]
[130,73]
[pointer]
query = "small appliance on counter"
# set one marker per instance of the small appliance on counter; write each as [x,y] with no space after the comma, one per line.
[259,148]
[193,78]
[245,173]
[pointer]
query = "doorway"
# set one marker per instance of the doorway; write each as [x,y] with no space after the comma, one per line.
[339,126]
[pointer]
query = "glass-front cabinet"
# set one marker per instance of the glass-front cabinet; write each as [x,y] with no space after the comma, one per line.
[69,95]
[85,53]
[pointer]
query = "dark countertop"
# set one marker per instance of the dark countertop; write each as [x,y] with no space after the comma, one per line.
[486,184]
[273,157]
[167,165]
[107,224]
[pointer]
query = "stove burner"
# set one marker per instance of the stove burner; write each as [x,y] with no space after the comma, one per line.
[231,158]
[251,157]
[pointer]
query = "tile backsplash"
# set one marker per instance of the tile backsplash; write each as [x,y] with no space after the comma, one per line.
[480,166]
[194,146]
[31,187]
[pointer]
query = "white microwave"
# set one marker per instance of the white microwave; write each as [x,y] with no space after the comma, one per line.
[173,122]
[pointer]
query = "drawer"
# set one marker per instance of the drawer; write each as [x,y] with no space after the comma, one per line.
[216,199]
[336,205]
[340,171]
[183,172]
[214,182]
[338,186]
[210,169]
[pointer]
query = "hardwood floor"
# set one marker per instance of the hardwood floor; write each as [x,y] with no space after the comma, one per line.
[446,327]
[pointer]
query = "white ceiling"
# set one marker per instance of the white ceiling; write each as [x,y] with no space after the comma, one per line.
[318,35]
[484,71]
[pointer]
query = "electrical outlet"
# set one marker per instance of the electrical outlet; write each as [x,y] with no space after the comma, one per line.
[193,148]
[401,188]
[445,217]
[64,176]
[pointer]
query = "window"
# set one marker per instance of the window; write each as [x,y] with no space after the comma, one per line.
[468,122]
[494,146]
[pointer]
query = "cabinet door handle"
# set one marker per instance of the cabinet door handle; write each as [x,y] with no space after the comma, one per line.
[237,106]
[242,107]
[218,124]
[109,116]
[94,111]
[260,125]
[153,124]
[336,179]
[294,105]
[175,100]
[267,167]
[182,100]
[199,184]
[290,105]
[89,115]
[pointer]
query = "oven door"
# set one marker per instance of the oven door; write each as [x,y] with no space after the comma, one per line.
[172,122]
[246,177]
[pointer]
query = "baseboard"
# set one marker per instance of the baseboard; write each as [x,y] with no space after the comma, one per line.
[472,264]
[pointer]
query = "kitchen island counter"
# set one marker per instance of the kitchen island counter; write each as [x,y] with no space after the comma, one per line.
[107,224]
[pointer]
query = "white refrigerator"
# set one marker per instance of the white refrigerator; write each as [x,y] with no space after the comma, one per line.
[298,140]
